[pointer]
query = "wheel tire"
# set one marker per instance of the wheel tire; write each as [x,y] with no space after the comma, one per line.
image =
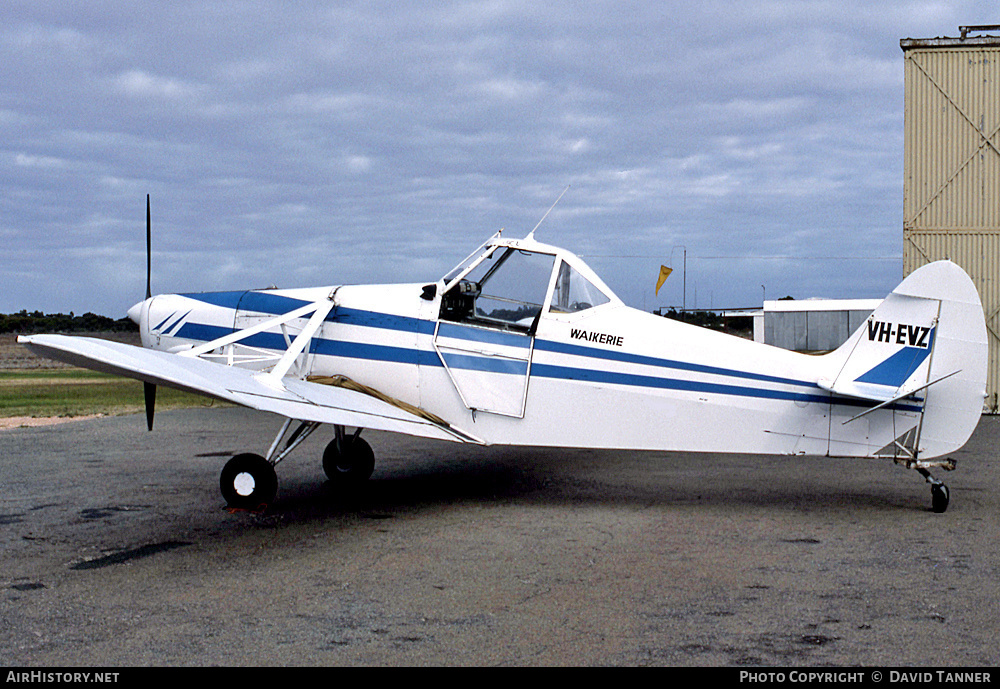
[939,498]
[352,466]
[248,482]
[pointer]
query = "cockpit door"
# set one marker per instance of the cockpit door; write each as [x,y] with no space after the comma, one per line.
[486,330]
[488,367]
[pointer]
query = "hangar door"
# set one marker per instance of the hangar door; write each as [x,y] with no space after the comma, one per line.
[951,191]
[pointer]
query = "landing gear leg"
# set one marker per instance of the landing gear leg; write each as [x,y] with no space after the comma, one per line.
[249,482]
[939,492]
[348,460]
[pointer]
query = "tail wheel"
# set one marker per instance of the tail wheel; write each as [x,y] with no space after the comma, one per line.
[939,497]
[248,482]
[348,461]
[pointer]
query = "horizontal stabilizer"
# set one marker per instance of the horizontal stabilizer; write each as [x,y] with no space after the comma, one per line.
[289,397]
[900,397]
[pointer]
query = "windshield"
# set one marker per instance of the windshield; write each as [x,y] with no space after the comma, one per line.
[457,270]
[506,290]
[573,292]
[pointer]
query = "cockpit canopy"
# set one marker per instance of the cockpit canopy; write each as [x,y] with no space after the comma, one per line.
[511,283]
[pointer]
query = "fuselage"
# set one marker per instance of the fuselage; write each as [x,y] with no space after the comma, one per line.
[593,373]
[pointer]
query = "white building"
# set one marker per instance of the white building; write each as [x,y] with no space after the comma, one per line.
[809,325]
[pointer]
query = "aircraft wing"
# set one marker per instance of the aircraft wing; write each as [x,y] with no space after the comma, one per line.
[289,396]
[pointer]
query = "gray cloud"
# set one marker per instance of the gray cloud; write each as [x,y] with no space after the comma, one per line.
[296,144]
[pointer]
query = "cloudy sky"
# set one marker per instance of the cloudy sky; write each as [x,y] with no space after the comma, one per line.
[310,143]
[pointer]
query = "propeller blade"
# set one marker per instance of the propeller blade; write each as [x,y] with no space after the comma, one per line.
[149,261]
[149,392]
[149,389]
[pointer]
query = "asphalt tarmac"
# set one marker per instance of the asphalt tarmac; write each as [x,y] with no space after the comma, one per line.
[116,550]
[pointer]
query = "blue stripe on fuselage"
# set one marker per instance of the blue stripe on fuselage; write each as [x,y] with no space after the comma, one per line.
[484,335]
[275,305]
[410,355]
[322,346]
[227,300]
[611,355]
[374,319]
[634,379]
[470,362]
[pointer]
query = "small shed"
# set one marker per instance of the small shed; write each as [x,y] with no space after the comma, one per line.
[812,325]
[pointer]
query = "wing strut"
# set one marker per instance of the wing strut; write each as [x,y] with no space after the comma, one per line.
[300,342]
[319,310]
[303,431]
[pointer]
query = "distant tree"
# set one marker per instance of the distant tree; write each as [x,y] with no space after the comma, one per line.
[713,321]
[24,323]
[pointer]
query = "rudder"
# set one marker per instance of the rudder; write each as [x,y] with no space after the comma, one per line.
[929,330]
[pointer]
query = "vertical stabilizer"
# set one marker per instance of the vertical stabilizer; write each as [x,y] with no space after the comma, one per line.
[929,330]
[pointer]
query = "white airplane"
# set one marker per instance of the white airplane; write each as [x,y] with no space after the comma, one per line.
[523,344]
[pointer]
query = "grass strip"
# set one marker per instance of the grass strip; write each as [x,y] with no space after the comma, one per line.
[77,392]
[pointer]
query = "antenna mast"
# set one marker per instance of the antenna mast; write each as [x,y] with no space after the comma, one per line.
[531,235]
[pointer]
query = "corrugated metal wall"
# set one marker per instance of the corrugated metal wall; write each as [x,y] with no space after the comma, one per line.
[952,155]
[979,254]
[951,198]
[811,331]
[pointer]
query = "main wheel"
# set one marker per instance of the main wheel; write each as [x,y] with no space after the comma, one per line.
[939,497]
[353,463]
[248,482]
